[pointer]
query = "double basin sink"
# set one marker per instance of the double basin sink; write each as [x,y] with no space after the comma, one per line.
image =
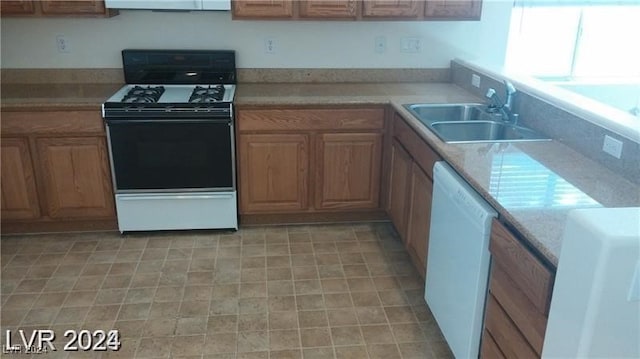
[470,122]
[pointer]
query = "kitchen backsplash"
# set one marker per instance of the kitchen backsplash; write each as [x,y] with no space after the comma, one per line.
[575,132]
[88,76]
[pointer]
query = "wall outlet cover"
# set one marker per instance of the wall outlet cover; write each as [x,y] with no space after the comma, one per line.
[612,146]
[475,80]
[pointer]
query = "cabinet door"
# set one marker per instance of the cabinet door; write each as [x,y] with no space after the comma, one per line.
[328,9]
[453,9]
[19,196]
[348,166]
[262,8]
[421,189]
[79,7]
[76,177]
[273,172]
[389,8]
[17,7]
[399,188]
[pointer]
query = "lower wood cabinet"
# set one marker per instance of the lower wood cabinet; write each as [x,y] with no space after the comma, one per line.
[55,172]
[274,172]
[348,170]
[398,180]
[309,160]
[410,190]
[19,195]
[419,217]
[518,302]
[75,177]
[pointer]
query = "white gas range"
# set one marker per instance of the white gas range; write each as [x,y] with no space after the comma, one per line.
[171,140]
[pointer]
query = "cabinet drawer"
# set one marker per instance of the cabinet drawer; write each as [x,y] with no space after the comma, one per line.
[489,348]
[310,119]
[522,312]
[421,152]
[532,278]
[507,337]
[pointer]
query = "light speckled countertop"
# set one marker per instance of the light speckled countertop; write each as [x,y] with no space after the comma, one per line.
[565,178]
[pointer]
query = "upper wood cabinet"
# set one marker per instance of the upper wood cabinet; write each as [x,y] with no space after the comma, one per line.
[357,9]
[452,9]
[56,8]
[17,7]
[387,8]
[262,9]
[329,9]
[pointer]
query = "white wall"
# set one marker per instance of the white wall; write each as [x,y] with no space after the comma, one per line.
[96,43]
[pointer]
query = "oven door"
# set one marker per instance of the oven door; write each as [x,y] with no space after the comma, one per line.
[169,155]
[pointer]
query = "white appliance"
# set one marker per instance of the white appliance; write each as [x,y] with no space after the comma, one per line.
[171,140]
[595,307]
[169,4]
[458,260]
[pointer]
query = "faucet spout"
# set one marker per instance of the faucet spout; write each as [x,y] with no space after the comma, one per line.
[503,109]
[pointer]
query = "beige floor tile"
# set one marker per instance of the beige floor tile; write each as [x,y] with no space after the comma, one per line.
[284,339]
[351,352]
[350,335]
[312,291]
[222,324]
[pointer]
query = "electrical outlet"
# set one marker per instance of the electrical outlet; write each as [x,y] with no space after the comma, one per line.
[380,44]
[475,80]
[270,45]
[63,45]
[411,44]
[612,146]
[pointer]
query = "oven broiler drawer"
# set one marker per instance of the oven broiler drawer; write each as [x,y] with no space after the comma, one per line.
[173,211]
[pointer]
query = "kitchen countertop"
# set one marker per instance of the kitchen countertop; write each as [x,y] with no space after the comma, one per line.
[553,179]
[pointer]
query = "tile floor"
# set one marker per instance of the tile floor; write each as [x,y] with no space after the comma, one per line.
[321,291]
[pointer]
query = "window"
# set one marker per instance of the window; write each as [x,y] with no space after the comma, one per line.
[575,39]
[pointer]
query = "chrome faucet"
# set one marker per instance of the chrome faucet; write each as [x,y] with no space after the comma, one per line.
[504,109]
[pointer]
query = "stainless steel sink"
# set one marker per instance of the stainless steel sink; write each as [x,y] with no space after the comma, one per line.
[429,113]
[470,122]
[483,131]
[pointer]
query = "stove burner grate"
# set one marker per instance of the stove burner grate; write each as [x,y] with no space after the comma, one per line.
[139,94]
[207,94]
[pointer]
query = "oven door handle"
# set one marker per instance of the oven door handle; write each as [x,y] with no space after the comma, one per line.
[184,121]
[172,197]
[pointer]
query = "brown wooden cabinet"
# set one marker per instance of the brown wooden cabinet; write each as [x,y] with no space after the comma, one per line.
[329,9]
[91,8]
[274,172]
[17,7]
[19,196]
[518,302]
[348,170]
[419,217]
[410,190]
[386,8]
[262,9]
[358,9]
[55,172]
[398,183]
[309,160]
[75,177]
[452,9]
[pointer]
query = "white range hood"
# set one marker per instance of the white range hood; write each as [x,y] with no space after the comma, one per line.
[169,4]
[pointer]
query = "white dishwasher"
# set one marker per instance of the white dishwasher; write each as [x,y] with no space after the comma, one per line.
[458,260]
